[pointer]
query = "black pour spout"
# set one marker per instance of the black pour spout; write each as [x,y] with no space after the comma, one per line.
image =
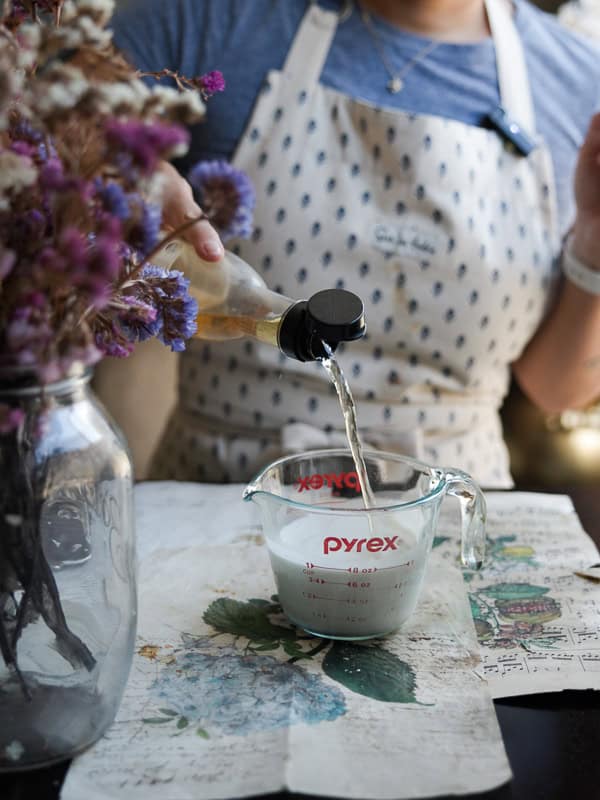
[331,316]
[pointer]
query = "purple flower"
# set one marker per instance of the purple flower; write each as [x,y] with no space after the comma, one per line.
[24,148]
[90,264]
[170,282]
[138,146]
[179,322]
[68,256]
[103,267]
[227,196]
[10,418]
[212,83]
[114,199]
[52,178]
[23,129]
[28,229]
[110,341]
[52,175]
[151,221]
[144,229]
[22,132]
[177,310]
[7,262]
[140,320]
[28,331]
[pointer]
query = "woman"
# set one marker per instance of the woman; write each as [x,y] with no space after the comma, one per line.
[383,162]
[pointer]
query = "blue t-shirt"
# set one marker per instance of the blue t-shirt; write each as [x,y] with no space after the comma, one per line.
[246,39]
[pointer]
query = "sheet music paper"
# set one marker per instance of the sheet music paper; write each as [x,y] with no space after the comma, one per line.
[225,699]
[537,619]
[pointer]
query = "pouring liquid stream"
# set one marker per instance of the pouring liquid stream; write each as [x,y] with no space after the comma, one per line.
[344,394]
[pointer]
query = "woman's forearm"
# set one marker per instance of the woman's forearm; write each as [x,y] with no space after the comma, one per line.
[560,368]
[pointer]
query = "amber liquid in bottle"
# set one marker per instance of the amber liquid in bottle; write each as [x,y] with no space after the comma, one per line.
[220,326]
[233,300]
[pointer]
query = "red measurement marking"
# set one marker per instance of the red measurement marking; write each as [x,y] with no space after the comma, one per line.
[359,570]
[331,569]
[363,570]
[337,599]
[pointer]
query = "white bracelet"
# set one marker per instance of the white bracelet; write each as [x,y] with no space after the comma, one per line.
[576,271]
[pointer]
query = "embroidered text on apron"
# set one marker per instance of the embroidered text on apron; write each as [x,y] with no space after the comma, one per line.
[450,239]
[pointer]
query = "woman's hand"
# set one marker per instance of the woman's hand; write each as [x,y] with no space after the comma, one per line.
[180,207]
[586,231]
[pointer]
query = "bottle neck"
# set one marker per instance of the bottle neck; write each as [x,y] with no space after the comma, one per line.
[279,303]
[267,328]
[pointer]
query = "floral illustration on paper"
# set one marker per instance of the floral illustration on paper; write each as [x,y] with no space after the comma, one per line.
[233,693]
[503,555]
[514,615]
[235,681]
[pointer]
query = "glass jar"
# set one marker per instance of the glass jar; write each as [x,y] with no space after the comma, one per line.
[67,569]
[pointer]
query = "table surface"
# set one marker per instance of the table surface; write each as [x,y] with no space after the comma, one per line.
[551,739]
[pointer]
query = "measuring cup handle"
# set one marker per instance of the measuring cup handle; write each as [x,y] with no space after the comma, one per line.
[473,516]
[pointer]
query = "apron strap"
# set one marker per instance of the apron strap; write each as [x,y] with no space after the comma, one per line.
[515,93]
[308,53]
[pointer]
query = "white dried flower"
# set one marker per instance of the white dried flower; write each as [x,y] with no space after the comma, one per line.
[93,33]
[184,107]
[177,151]
[121,98]
[16,173]
[68,12]
[78,32]
[99,10]
[61,88]
[583,17]
[11,85]
[59,38]
[30,36]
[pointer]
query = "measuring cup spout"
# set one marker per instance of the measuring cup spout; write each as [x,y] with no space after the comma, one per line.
[255,492]
[271,506]
[250,491]
[473,516]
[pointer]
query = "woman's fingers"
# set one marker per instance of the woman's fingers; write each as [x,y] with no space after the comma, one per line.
[202,236]
[180,207]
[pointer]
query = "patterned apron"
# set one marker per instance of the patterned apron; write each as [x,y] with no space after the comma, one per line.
[448,236]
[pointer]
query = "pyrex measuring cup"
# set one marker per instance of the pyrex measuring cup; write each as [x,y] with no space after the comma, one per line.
[346,572]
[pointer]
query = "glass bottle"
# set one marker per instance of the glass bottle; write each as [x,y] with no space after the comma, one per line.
[234,301]
[67,570]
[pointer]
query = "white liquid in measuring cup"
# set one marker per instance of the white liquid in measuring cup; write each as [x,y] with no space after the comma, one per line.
[348,579]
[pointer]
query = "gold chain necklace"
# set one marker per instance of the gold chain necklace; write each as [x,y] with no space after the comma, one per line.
[395,83]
